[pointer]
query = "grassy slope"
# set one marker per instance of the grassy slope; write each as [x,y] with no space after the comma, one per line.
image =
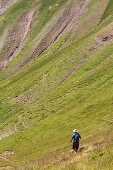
[58,104]
[41,17]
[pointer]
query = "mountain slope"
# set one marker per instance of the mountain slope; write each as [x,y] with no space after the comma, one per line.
[56,75]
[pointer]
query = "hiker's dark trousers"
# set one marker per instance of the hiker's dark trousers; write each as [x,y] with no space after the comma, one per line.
[75,146]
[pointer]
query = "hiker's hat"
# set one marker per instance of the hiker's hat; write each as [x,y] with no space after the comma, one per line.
[75,130]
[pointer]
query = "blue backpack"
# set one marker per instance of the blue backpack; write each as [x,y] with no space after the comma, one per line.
[76,137]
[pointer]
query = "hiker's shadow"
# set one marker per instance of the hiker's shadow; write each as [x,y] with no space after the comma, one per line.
[81,149]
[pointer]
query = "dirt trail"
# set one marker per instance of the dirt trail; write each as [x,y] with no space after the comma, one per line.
[61,160]
[6,5]
[15,128]
[8,132]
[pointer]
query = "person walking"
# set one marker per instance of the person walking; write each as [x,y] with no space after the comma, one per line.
[75,138]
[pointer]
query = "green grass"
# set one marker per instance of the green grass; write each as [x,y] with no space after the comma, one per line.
[41,19]
[108,11]
[12,15]
[52,99]
[45,15]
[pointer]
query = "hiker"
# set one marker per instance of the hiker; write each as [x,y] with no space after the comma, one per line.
[75,138]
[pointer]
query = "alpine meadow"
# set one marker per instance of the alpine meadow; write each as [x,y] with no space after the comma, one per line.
[56,74]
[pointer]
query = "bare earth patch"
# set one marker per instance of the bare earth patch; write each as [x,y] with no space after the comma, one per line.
[105,36]
[16,37]
[6,154]
[58,26]
[4,5]
[5,133]
[5,167]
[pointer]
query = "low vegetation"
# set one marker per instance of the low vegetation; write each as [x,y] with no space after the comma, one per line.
[68,85]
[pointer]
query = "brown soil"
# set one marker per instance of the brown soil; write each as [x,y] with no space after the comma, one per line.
[5,4]
[16,37]
[15,128]
[105,39]
[6,167]
[58,26]
[64,22]
[105,36]
[6,154]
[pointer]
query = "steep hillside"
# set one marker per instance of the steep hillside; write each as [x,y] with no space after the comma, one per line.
[56,60]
